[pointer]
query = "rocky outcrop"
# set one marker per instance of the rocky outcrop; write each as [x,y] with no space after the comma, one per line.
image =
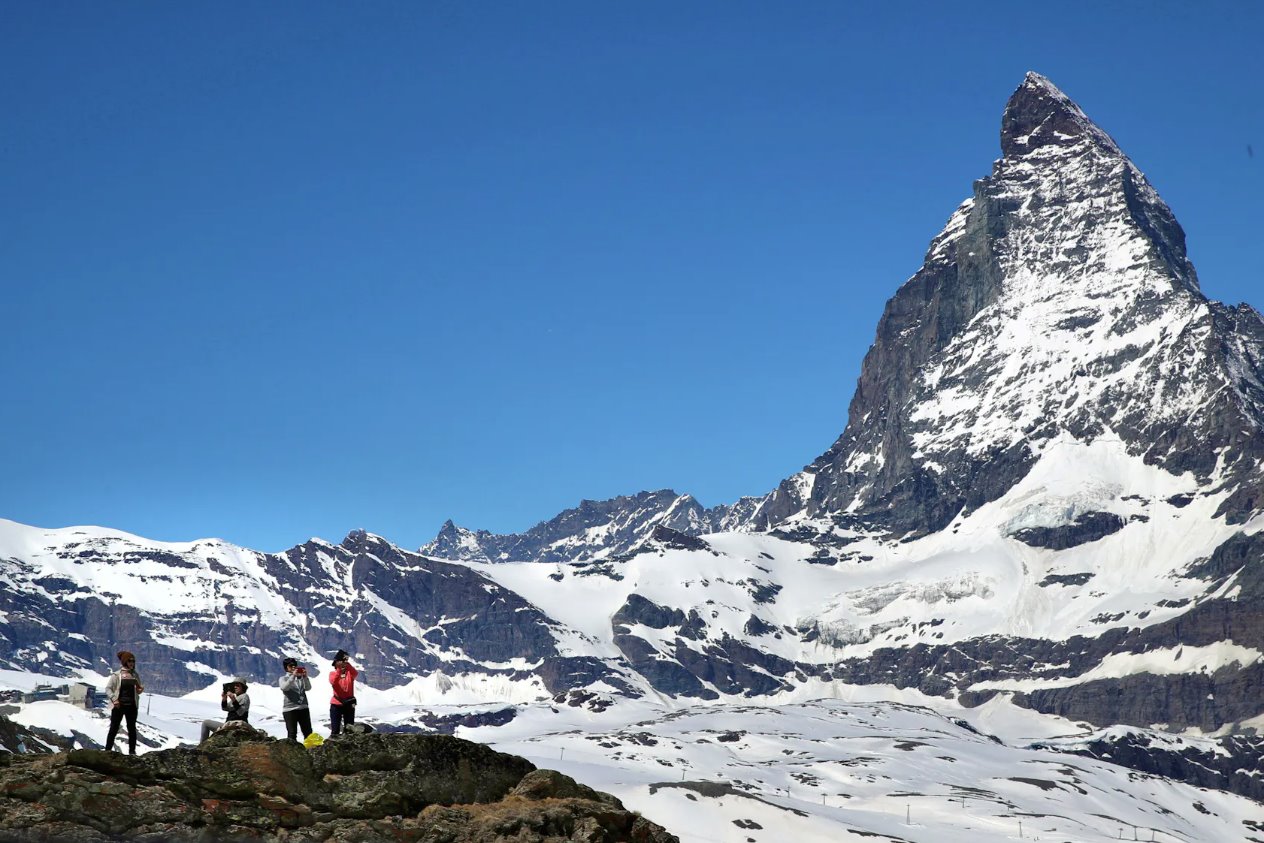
[242,786]
[1086,528]
[1234,763]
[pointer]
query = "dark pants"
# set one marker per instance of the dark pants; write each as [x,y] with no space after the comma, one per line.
[299,718]
[340,715]
[117,713]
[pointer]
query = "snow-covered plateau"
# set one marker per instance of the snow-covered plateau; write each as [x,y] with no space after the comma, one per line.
[877,762]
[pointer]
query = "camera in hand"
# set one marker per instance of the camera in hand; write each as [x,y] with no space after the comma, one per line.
[301,671]
[229,687]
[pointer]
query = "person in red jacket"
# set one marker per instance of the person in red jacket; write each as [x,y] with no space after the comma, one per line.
[342,706]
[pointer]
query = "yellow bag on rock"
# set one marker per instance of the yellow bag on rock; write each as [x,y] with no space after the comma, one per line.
[313,740]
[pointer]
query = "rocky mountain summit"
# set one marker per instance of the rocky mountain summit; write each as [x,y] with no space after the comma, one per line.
[241,785]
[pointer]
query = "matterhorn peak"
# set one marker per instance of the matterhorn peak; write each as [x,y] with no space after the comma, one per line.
[1039,115]
[1057,304]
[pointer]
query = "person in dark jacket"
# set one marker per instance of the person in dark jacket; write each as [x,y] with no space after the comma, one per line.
[343,704]
[234,700]
[294,686]
[123,690]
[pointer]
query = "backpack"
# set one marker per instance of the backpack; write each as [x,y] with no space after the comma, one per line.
[313,740]
[357,729]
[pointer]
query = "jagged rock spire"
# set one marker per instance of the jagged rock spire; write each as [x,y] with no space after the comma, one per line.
[1038,114]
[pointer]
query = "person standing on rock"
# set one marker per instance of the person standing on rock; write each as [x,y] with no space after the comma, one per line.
[294,687]
[233,699]
[342,706]
[123,689]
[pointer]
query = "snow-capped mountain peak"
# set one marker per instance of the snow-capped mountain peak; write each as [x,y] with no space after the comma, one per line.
[1057,299]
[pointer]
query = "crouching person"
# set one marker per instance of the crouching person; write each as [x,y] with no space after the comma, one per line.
[234,700]
[342,706]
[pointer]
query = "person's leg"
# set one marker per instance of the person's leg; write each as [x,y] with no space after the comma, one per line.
[335,719]
[305,720]
[130,713]
[291,724]
[209,727]
[116,717]
[348,714]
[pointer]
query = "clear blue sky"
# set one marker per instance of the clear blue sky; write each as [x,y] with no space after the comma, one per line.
[277,270]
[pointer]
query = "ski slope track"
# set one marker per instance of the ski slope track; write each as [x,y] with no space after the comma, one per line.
[1046,501]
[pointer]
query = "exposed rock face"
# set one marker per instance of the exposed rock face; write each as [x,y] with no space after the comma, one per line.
[242,786]
[1234,763]
[1088,527]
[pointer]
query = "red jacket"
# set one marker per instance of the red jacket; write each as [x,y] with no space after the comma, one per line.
[344,685]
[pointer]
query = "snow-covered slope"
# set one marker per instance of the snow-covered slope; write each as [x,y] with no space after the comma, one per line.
[879,765]
[833,771]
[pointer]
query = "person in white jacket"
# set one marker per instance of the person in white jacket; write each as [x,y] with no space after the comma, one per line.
[294,686]
[123,689]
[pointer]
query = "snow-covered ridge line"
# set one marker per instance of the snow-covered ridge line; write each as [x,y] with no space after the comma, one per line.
[793,618]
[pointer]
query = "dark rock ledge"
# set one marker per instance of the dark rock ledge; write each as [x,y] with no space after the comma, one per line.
[244,786]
